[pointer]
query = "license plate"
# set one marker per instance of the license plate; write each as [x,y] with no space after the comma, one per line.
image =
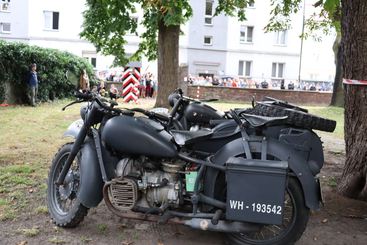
[256,190]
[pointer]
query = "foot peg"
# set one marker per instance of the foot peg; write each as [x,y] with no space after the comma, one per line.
[217,216]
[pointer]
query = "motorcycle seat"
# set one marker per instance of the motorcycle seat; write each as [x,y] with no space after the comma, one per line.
[183,137]
[261,121]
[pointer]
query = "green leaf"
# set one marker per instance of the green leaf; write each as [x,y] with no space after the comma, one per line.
[331,5]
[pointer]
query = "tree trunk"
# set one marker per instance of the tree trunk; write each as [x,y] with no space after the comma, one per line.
[354,41]
[338,91]
[168,46]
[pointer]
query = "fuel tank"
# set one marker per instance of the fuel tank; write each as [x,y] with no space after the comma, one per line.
[199,113]
[138,136]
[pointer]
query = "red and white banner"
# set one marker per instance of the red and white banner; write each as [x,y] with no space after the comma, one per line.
[354,82]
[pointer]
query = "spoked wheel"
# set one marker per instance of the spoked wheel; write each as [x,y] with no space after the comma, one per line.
[295,218]
[63,205]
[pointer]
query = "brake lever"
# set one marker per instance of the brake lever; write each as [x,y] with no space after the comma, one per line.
[70,104]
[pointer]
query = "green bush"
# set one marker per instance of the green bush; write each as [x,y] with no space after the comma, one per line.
[52,67]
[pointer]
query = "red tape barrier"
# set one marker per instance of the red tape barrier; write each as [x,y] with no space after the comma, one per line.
[354,82]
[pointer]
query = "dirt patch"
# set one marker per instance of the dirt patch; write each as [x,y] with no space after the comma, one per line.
[340,221]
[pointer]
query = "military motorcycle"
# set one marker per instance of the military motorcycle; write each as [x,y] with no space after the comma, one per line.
[257,189]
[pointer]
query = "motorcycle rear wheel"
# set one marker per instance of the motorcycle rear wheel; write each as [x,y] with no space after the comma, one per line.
[63,205]
[295,220]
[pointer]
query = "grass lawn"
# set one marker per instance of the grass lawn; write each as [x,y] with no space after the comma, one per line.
[31,136]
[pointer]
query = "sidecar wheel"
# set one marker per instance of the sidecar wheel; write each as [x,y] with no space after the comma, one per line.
[63,205]
[295,220]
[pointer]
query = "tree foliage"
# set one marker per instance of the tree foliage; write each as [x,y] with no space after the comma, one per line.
[107,22]
[324,19]
[233,8]
[52,67]
[280,15]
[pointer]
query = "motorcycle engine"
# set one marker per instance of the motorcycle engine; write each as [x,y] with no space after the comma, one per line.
[144,183]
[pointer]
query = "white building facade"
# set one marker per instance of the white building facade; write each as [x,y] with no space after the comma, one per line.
[222,45]
[49,24]
[219,45]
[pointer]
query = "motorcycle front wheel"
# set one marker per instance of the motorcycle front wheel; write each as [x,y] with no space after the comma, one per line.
[63,205]
[294,223]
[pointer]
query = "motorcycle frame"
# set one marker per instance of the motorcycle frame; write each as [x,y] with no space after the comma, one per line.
[93,168]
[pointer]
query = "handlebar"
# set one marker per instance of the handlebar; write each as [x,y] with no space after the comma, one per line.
[175,95]
[110,108]
[151,114]
[84,97]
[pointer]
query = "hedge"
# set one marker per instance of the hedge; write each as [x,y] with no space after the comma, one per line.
[52,67]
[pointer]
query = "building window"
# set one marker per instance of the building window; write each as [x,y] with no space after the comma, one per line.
[277,70]
[244,68]
[251,4]
[208,12]
[91,57]
[280,37]
[5,27]
[5,5]
[208,40]
[246,34]
[51,20]
[93,61]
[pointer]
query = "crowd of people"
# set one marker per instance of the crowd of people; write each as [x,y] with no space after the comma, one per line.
[112,92]
[147,86]
[236,82]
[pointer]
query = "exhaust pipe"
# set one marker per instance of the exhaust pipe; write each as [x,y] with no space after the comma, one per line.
[222,226]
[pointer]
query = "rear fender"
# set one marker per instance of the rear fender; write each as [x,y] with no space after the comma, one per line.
[281,151]
[91,183]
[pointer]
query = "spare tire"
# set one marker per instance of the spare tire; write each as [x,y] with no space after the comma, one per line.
[295,117]
[283,103]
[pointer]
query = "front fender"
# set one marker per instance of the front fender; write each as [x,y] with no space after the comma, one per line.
[279,150]
[91,183]
[74,128]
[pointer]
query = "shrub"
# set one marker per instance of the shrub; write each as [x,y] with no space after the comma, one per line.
[52,67]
